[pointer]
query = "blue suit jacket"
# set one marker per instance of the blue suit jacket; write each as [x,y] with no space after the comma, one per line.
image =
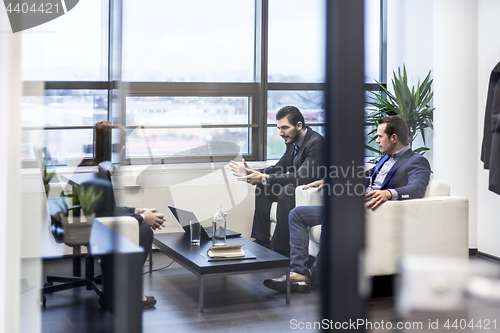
[409,176]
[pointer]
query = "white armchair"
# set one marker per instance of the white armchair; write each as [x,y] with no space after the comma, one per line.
[126,226]
[434,225]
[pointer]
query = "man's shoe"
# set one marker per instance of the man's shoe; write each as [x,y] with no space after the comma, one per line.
[298,282]
[314,282]
[149,302]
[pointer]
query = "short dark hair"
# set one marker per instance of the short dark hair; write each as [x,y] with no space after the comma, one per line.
[293,114]
[396,125]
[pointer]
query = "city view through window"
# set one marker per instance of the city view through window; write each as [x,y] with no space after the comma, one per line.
[200,59]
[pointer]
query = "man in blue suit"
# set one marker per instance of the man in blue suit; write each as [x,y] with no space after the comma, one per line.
[401,174]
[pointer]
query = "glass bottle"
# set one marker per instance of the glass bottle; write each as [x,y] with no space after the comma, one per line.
[219,228]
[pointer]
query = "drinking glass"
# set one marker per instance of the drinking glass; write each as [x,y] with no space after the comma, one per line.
[195,231]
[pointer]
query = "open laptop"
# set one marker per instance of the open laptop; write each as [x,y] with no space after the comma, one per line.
[184,216]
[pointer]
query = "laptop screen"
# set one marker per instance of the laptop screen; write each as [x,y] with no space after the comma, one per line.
[183,216]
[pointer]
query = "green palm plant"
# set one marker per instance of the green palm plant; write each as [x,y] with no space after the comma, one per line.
[46,175]
[411,104]
[88,198]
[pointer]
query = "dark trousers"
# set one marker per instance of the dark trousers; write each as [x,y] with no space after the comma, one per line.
[265,195]
[146,236]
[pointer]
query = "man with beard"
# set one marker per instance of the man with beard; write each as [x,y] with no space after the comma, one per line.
[299,165]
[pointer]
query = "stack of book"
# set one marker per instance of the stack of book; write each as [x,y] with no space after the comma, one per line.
[227,251]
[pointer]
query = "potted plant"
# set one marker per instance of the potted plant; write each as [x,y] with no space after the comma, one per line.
[88,198]
[46,176]
[413,104]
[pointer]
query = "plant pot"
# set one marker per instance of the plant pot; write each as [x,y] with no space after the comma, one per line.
[87,218]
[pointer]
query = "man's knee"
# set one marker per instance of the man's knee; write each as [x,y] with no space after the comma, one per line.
[294,216]
[264,192]
[287,194]
[146,234]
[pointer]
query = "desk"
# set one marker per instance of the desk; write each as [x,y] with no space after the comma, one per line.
[121,263]
[178,247]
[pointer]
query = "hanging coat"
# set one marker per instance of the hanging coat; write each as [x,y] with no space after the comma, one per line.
[490,152]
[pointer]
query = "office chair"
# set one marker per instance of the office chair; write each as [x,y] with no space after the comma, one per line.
[75,235]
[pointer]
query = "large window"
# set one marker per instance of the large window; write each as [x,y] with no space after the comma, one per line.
[62,120]
[182,126]
[374,63]
[375,59]
[73,47]
[188,41]
[198,77]
[297,41]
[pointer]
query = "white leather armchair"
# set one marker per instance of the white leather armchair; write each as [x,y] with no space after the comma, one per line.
[435,225]
[127,226]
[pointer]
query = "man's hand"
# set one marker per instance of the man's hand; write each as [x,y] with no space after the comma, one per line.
[239,170]
[153,218]
[319,184]
[253,177]
[376,198]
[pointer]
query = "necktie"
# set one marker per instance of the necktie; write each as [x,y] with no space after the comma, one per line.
[295,150]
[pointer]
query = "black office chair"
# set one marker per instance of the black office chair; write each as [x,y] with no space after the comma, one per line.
[75,235]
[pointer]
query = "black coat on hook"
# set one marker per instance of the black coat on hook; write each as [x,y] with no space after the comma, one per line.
[490,152]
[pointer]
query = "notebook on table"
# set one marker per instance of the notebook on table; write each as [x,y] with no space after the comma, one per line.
[228,252]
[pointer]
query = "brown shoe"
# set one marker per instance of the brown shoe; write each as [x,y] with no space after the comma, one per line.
[298,283]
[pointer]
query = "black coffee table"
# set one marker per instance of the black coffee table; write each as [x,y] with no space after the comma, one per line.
[178,247]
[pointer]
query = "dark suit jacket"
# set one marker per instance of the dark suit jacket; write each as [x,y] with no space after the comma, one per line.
[409,176]
[490,152]
[107,205]
[309,162]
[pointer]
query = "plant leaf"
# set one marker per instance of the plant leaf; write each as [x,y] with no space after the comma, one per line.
[411,103]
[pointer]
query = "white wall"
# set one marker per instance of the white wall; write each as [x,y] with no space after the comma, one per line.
[410,29]
[455,99]
[488,57]
[197,187]
[441,35]
[10,148]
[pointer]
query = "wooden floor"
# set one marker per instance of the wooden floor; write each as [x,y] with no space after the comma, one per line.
[237,303]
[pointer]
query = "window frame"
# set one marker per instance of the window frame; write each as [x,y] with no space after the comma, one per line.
[199,89]
[257,91]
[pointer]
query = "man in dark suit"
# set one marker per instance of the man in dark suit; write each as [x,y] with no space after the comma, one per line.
[401,174]
[299,165]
